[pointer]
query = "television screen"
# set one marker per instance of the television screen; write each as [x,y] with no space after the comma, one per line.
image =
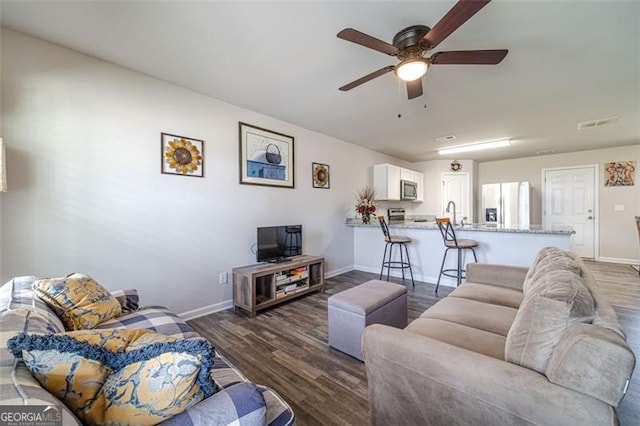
[276,243]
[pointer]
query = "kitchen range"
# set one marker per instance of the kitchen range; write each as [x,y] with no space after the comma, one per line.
[397,215]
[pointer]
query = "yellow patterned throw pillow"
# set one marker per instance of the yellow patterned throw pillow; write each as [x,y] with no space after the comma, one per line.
[79,301]
[119,376]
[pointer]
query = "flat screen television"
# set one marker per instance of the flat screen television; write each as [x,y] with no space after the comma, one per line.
[277,243]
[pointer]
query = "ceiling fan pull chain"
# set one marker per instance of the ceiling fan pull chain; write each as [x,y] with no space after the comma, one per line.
[399,98]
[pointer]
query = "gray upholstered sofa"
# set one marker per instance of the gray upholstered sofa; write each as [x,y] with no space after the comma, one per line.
[509,346]
[237,402]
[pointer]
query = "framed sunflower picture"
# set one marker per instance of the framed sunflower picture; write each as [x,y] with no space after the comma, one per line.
[320,175]
[181,155]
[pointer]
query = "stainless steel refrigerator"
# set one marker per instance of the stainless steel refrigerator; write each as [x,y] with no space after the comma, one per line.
[507,204]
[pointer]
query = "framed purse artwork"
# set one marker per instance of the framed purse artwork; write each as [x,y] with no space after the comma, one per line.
[266,157]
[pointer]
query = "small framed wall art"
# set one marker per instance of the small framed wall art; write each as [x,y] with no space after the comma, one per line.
[266,157]
[181,155]
[320,175]
[620,173]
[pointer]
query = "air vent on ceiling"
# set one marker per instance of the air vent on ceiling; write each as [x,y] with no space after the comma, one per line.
[546,152]
[597,123]
[445,138]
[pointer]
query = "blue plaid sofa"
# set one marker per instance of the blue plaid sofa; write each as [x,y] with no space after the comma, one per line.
[237,402]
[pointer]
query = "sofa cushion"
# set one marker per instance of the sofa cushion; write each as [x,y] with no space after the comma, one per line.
[128,300]
[154,318]
[484,316]
[541,255]
[79,301]
[225,376]
[487,293]
[594,361]
[240,405]
[605,314]
[554,301]
[462,336]
[549,259]
[18,294]
[17,384]
[497,275]
[119,376]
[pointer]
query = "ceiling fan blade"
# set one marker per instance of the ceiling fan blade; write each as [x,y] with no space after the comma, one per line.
[458,15]
[365,40]
[471,57]
[414,88]
[367,77]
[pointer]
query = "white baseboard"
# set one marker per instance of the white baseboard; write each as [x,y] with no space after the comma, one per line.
[338,271]
[206,310]
[445,281]
[228,304]
[618,260]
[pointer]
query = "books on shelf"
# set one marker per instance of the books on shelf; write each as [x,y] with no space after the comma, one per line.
[290,289]
[282,279]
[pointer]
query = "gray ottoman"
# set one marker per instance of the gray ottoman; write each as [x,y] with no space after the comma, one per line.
[374,302]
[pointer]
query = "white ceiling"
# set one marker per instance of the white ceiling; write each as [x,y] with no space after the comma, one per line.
[568,61]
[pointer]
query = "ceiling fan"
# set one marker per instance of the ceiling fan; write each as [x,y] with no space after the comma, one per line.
[411,44]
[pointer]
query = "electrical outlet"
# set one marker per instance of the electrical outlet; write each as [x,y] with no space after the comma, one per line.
[618,207]
[224,278]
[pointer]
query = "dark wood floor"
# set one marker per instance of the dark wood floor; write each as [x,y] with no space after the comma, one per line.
[286,347]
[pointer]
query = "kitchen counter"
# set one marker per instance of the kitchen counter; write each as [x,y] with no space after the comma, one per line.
[496,244]
[482,227]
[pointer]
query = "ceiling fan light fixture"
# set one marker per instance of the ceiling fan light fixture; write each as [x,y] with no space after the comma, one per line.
[411,69]
[476,147]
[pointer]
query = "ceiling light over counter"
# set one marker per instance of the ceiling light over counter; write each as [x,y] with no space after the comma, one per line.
[476,147]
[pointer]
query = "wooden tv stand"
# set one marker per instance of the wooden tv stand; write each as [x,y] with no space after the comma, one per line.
[257,287]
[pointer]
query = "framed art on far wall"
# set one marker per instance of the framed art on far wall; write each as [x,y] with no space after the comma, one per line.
[181,155]
[266,157]
[320,175]
[620,173]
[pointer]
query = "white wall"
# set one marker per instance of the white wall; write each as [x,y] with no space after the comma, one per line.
[618,238]
[432,171]
[86,193]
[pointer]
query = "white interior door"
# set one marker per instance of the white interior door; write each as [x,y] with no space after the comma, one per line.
[570,200]
[455,187]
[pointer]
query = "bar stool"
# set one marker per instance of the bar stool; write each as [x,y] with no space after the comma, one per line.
[293,235]
[451,242]
[392,240]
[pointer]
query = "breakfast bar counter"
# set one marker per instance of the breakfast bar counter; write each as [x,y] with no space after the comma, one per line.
[496,244]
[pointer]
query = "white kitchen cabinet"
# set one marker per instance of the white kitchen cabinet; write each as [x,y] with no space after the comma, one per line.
[419,179]
[386,181]
[406,174]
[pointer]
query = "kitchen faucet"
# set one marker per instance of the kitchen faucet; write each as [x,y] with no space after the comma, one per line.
[454,211]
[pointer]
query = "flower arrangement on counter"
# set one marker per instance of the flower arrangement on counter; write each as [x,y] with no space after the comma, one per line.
[365,203]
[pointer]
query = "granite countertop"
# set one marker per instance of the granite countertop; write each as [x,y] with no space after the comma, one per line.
[482,227]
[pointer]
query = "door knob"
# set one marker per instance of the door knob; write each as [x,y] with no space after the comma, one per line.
[590,217]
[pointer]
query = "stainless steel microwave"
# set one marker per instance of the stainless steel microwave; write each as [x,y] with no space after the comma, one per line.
[408,190]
